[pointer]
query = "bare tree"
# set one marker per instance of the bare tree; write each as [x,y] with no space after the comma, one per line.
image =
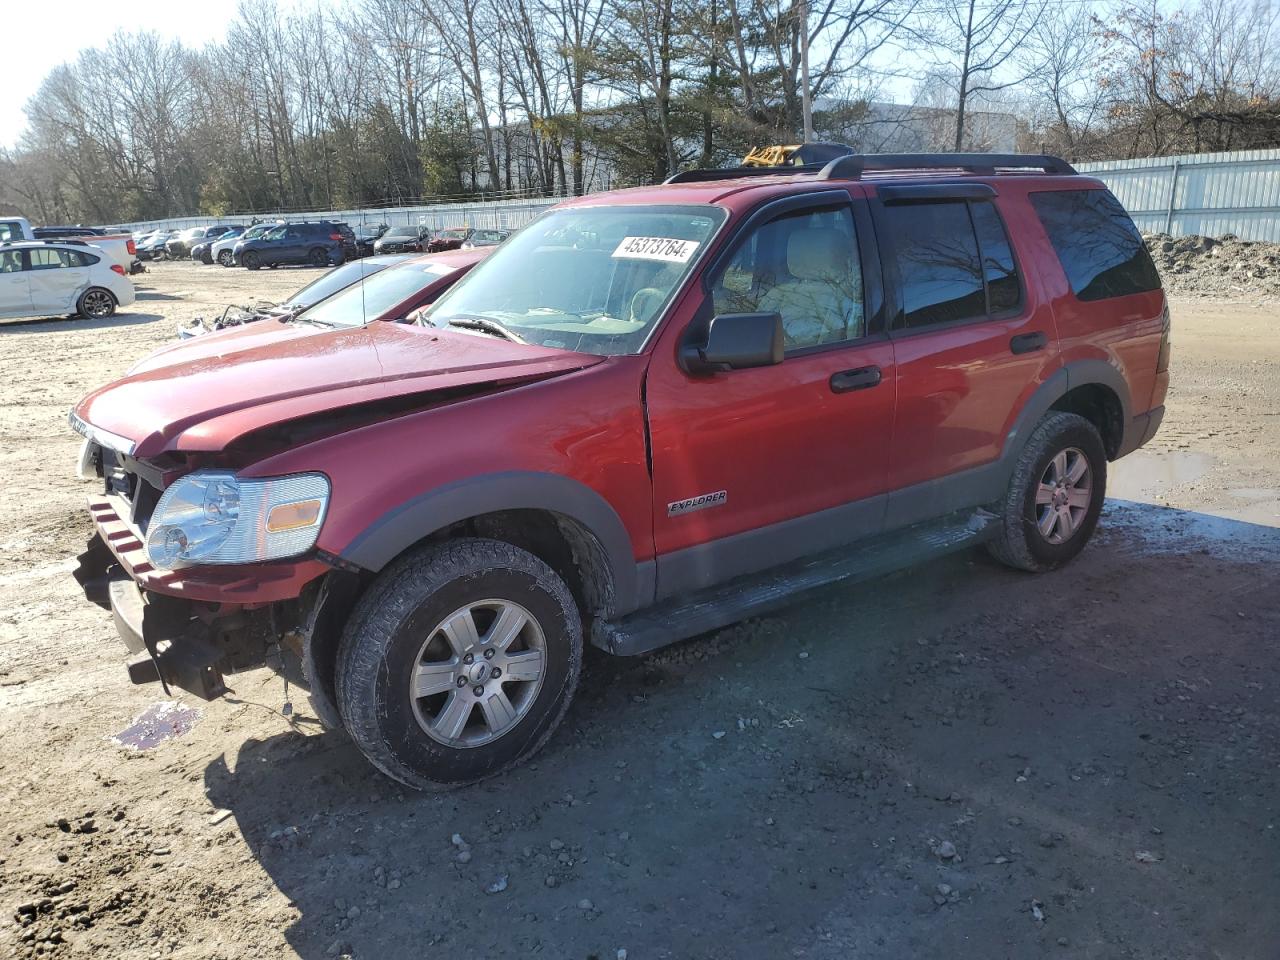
[977,41]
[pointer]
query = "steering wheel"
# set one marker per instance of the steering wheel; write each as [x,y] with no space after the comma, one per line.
[645,304]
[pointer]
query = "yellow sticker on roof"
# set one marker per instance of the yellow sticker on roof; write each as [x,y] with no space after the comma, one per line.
[666,249]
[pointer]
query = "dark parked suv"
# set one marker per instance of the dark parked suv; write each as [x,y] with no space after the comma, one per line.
[319,243]
[648,414]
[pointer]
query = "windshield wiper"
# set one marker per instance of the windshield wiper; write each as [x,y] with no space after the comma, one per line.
[487,325]
[303,318]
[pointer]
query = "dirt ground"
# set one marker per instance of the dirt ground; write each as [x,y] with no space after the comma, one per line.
[955,761]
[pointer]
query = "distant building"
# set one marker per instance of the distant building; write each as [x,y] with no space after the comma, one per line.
[873,127]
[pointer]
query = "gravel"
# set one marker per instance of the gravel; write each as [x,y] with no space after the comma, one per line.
[1224,267]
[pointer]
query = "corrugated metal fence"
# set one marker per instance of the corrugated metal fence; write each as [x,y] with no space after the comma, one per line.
[1204,193]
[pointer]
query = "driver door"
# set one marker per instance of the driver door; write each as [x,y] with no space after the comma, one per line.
[756,467]
[15,286]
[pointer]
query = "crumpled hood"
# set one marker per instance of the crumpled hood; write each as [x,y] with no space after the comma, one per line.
[203,393]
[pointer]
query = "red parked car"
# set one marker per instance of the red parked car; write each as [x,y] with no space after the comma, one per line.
[648,414]
[450,239]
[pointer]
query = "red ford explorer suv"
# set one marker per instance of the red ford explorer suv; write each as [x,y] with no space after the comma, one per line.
[648,414]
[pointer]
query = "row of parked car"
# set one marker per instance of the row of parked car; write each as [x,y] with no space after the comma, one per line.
[316,242]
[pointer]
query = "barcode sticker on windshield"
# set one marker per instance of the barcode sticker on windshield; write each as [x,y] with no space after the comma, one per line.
[656,248]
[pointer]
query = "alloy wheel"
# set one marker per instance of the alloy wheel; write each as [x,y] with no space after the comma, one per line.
[1063,495]
[478,673]
[98,304]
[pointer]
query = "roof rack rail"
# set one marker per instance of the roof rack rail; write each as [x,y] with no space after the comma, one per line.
[51,240]
[852,166]
[855,165]
[734,173]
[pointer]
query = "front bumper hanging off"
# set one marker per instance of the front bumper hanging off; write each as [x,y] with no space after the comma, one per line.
[166,641]
[188,628]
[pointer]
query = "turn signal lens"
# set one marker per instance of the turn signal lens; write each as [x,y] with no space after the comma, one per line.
[294,516]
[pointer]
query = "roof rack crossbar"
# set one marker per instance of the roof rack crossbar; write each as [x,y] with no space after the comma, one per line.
[854,166]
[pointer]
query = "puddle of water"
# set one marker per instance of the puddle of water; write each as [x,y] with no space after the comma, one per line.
[1145,472]
[158,723]
[1164,530]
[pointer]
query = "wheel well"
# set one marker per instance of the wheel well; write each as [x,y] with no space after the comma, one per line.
[1100,406]
[559,541]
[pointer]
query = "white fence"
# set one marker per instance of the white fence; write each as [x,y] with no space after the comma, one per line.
[490,214]
[1204,193]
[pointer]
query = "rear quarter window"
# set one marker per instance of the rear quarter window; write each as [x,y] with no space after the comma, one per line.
[1100,249]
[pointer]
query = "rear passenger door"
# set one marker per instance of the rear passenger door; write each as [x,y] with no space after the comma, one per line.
[56,277]
[970,341]
[292,248]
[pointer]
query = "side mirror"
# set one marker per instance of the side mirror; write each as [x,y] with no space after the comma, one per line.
[734,341]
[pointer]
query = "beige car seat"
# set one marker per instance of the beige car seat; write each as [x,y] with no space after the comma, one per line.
[822,302]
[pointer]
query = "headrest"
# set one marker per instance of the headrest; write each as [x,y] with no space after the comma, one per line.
[818,254]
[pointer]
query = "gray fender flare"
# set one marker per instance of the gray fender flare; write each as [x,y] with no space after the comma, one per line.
[400,528]
[1078,373]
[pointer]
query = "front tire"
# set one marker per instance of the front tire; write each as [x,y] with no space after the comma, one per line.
[458,663]
[1055,495]
[226,258]
[96,303]
[250,261]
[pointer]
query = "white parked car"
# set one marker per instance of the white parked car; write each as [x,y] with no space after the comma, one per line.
[49,278]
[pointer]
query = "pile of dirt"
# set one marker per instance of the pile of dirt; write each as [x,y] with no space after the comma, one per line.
[1225,267]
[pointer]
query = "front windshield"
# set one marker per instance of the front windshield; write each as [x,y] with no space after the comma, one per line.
[333,281]
[454,233]
[591,279]
[402,232]
[253,232]
[374,296]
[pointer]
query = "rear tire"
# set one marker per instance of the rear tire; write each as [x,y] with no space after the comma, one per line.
[250,261]
[317,257]
[96,303]
[1055,495]
[426,686]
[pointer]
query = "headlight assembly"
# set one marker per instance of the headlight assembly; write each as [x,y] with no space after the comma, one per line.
[212,516]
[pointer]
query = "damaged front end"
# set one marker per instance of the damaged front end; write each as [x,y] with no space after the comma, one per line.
[187,627]
[188,644]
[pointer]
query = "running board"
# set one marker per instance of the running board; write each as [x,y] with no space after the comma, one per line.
[755,594]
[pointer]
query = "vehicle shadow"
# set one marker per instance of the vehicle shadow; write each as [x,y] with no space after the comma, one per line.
[145,294]
[758,792]
[122,319]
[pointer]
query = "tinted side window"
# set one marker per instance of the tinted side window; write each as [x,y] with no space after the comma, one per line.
[938,261]
[998,267]
[1100,249]
[10,230]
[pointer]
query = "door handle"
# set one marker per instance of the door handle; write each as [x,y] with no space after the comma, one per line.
[859,379]
[1028,342]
